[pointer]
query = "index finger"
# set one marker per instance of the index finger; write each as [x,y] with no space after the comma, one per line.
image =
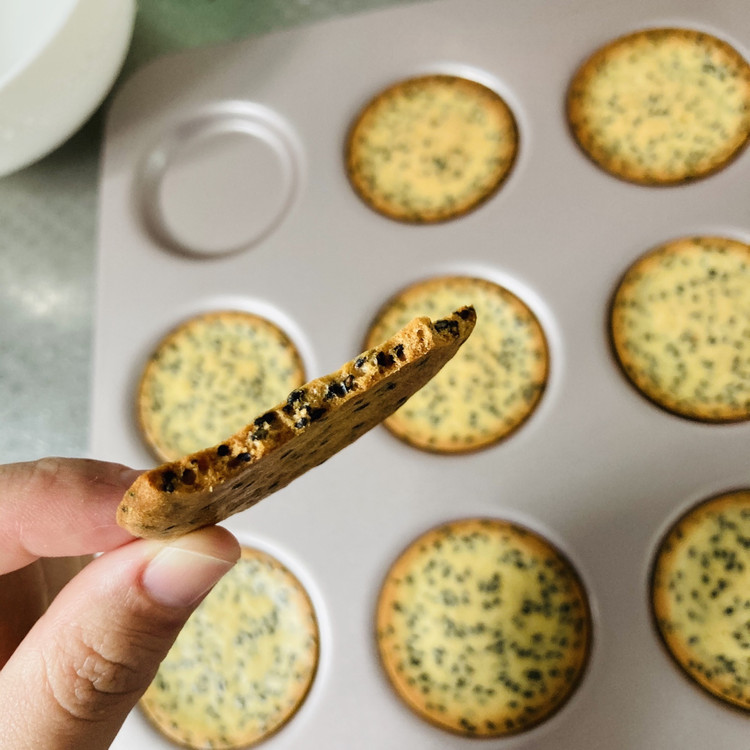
[58,507]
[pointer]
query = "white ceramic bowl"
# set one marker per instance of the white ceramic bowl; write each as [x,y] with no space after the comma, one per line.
[58,60]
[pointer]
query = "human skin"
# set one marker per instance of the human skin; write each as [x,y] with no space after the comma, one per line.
[81,637]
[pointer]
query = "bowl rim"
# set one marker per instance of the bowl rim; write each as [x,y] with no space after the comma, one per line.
[26,60]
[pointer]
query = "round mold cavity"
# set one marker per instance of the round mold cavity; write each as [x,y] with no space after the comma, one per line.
[451,557]
[222,181]
[209,374]
[193,309]
[183,701]
[437,419]
[676,322]
[676,141]
[419,153]
[697,563]
[300,568]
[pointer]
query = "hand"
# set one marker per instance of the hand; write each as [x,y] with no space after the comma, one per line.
[76,665]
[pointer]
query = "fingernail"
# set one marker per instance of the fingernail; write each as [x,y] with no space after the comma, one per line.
[178,577]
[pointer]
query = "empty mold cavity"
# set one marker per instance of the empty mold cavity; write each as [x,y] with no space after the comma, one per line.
[221,182]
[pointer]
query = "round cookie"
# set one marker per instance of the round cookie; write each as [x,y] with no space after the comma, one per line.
[494,382]
[680,325]
[431,148]
[209,376]
[661,106]
[483,627]
[700,597]
[242,665]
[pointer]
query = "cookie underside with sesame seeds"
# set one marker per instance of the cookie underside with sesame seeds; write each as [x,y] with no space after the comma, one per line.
[315,422]
[208,375]
[431,148]
[700,599]
[244,663]
[491,387]
[661,106]
[483,627]
[680,327]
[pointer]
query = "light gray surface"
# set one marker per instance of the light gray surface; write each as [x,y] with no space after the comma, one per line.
[47,235]
[47,228]
[597,468]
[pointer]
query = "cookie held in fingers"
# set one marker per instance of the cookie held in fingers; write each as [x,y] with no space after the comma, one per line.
[315,422]
[431,148]
[661,106]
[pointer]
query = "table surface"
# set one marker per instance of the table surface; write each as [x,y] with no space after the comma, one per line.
[48,220]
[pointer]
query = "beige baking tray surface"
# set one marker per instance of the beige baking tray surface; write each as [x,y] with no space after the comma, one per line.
[597,468]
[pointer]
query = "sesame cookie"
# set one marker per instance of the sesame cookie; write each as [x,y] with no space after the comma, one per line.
[661,106]
[493,384]
[209,375]
[700,597]
[242,665]
[680,324]
[431,148]
[483,627]
[311,425]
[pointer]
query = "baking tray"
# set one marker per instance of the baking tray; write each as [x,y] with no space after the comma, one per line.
[597,468]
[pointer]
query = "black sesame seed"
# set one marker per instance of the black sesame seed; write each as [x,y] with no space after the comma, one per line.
[447,325]
[295,396]
[467,725]
[268,418]
[315,413]
[169,478]
[240,458]
[336,390]
[385,360]
[223,450]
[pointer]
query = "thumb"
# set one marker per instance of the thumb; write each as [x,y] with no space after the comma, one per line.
[88,660]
